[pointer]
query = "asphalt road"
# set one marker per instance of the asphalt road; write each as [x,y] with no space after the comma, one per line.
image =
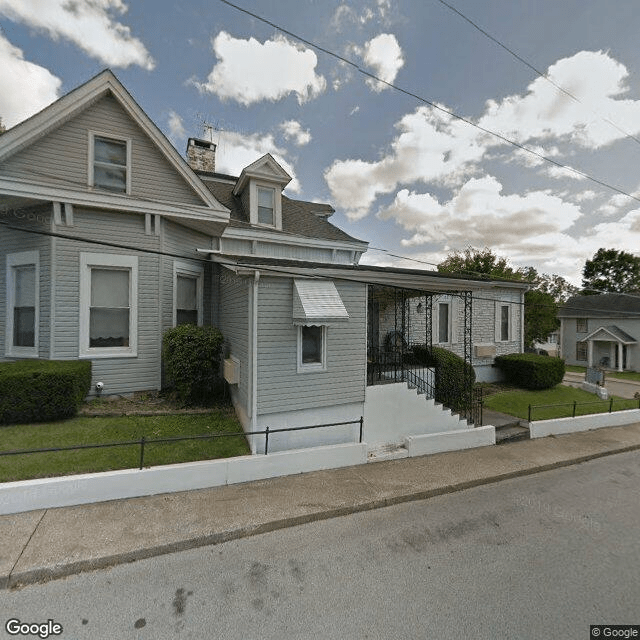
[541,557]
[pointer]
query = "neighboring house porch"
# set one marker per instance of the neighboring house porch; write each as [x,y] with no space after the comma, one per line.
[608,347]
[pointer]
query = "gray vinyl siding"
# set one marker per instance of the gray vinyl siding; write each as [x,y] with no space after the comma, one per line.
[280,386]
[119,375]
[234,324]
[15,241]
[182,243]
[62,156]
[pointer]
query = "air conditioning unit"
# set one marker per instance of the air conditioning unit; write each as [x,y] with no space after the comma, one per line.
[231,370]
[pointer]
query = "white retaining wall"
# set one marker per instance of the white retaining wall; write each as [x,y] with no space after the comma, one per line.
[451,441]
[558,426]
[393,411]
[45,493]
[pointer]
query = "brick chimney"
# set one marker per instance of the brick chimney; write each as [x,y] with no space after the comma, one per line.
[201,155]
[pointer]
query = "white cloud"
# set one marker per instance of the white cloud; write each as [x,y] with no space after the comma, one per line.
[480,215]
[346,13]
[431,147]
[436,148]
[554,171]
[589,194]
[92,25]
[248,71]
[293,130]
[235,151]
[383,56]
[25,87]
[354,110]
[615,203]
[177,132]
[544,112]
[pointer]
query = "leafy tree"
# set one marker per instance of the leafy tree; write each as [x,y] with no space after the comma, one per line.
[480,262]
[540,316]
[611,271]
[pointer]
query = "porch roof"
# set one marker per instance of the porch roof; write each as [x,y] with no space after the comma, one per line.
[417,279]
[611,333]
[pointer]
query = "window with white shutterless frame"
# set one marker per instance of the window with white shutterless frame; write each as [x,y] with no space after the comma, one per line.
[109,162]
[188,288]
[444,314]
[108,305]
[265,206]
[312,348]
[23,304]
[504,321]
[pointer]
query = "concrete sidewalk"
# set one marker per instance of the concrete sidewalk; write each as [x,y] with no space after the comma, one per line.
[47,544]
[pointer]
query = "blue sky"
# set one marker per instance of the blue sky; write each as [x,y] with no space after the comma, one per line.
[401,174]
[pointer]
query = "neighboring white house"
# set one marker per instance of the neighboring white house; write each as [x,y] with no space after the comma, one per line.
[109,237]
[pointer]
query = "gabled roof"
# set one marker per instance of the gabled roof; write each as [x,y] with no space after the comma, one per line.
[606,305]
[264,168]
[66,107]
[610,333]
[300,218]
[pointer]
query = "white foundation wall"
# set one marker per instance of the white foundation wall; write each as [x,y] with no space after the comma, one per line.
[393,411]
[559,426]
[343,434]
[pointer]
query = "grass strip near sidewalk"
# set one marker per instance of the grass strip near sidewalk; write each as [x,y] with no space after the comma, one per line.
[97,430]
[516,403]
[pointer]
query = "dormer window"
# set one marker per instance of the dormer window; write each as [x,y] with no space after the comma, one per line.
[266,209]
[109,163]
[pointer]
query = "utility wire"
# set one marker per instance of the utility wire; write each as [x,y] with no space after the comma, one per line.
[434,105]
[282,271]
[537,71]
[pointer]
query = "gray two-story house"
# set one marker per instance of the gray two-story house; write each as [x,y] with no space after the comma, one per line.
[109,237]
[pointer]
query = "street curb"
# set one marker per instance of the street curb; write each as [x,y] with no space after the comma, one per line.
[33,576]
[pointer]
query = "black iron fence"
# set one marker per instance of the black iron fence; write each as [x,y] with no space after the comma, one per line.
[572,408]
[143,441]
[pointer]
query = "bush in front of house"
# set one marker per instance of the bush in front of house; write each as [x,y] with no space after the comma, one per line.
[531,371]
[42,390]
[192,357]
[451,373]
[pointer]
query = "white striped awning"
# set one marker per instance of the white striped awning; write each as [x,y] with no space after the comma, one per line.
[317,302]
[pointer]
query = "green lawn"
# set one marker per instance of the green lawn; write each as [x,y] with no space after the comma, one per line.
[96,430]
[516,403]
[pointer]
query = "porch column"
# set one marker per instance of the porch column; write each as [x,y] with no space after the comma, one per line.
[619,356]
[590,353]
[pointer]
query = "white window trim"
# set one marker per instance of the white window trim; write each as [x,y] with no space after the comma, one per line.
[24,258]
[88,260]
[253,203]
[498,321]
[100,134]
[313,367]
[451,329]
[194,271]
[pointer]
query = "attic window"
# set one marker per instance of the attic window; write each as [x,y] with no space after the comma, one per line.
[110,161]
[266,208]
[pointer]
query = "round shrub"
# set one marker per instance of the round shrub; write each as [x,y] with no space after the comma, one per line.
[531,371]
[454,376]
[192,357]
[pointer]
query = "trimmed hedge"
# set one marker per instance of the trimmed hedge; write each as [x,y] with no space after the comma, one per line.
[42,390]
[449,373]
[192,357]
[531,371]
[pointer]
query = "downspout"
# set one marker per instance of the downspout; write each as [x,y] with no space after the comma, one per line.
[254,352]
[522,345]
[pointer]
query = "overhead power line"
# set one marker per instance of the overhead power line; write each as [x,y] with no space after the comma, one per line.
[537,71]
[438,107]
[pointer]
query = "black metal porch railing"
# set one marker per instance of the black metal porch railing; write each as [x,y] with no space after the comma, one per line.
[385,367]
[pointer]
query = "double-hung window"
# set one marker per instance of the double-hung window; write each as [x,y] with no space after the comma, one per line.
[266,206]
[109,163]
[23,284]
[108,305]
[187,293]
[504,322]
